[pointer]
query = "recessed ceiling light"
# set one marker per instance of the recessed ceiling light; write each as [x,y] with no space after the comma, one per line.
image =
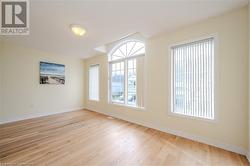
[77,30]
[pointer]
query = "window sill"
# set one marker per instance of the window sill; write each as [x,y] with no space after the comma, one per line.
[128,106]
[192,117]
[93,100]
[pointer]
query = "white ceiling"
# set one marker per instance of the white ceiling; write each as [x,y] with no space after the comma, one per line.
[106,21]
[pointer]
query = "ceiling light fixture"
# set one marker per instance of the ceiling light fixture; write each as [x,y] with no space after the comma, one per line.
[77,30]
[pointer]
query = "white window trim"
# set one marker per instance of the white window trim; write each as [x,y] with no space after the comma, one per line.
[125,60]
[128,106]
[124,104]
[216,79]
[120,44]
[97,64]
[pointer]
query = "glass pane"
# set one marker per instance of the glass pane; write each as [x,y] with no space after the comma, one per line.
[123,49]
[131,48]
[132,82]
[140,51]
[139,48]
[117,55]
[117,82]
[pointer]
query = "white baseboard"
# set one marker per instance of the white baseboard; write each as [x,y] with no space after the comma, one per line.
[36,115]
[248,155]
[201,139]
[197,138]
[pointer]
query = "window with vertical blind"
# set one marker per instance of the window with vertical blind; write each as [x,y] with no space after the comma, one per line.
[126,81]
[94,82]
[192,79]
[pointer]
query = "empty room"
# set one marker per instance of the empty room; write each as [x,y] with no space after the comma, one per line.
[124,83]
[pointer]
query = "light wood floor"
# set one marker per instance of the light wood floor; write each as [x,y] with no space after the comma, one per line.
[88,138]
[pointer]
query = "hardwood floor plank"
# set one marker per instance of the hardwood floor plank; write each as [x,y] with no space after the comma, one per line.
[89,138]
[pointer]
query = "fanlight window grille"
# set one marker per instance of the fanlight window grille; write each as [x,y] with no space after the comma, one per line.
[127,49]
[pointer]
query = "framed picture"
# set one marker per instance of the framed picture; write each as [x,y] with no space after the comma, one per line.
[52,73]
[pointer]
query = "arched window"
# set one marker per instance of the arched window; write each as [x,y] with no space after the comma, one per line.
[126,63]
[127,49]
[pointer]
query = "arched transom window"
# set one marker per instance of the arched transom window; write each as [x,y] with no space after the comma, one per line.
[126,50]
[126,62]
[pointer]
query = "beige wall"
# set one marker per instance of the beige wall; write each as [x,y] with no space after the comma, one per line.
[24,97]
[1,80]
[230,130]
[249,81]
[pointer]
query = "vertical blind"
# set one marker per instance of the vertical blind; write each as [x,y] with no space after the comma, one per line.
[192,83]
[94,82]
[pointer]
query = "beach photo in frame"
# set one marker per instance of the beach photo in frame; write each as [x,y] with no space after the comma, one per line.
[52,73]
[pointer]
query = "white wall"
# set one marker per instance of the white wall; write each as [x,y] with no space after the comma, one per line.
[231,129]
[23,96]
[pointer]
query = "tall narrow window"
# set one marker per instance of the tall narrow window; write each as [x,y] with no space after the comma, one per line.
[126,81]
[131,82]
[192,82]
[94,82]
[117,82]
